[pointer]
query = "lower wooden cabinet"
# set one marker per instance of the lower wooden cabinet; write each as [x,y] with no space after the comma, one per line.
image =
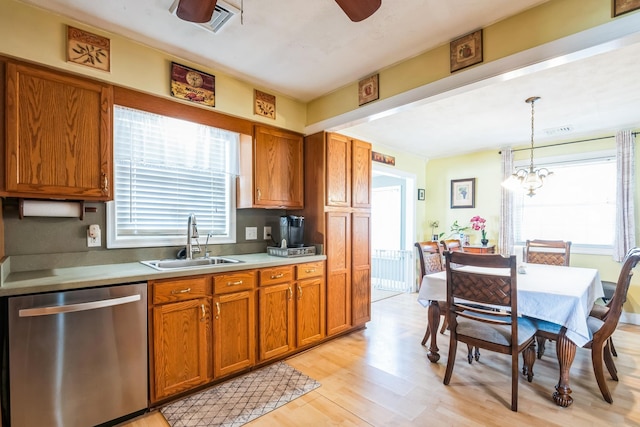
[275,312]
[310,318]
[180,346]
[233,332]
[203,328]
[291,313]
[338,272]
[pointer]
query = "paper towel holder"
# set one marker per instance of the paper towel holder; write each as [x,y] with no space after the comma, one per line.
[50,208]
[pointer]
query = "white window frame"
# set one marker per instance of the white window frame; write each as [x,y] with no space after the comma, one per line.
[549,162]
[138,241]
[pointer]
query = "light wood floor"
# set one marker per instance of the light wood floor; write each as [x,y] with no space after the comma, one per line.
[381,377]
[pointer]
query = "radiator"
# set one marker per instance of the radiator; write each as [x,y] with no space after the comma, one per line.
[393,270]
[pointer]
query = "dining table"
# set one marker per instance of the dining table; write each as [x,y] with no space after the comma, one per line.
[559,294]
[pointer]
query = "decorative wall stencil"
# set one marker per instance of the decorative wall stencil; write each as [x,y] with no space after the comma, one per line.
[383,158]
[88,49]
[466,51]
[624,6]
[193,85]
[264,104]
[368,89]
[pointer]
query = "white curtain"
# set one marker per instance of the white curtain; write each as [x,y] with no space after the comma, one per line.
[505,240]
[625,238]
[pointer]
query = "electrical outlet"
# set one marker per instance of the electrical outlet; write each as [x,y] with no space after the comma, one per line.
[94,236]
[251,233]
[267,233]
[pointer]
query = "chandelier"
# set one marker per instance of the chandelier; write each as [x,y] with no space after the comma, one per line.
[529,179]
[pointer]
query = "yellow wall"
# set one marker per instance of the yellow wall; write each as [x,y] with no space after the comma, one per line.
[39,36]
[485,167]
[545,23]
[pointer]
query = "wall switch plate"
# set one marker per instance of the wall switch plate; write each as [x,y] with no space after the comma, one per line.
[267,233]
[251,233]
[94,236]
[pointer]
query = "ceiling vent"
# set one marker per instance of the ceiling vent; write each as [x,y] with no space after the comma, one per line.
[560,130]
[222,14]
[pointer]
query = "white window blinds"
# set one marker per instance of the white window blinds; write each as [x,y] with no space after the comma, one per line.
[164,169]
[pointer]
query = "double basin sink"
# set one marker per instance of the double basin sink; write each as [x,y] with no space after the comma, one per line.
[175,264]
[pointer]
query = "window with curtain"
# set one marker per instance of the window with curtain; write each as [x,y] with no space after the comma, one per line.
[165,169]
[576,203]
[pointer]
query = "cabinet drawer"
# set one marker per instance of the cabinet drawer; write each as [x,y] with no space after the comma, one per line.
[310,269]
[232,282]
[270,276]
[180,289]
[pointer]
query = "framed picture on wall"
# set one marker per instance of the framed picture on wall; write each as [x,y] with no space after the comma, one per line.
[463,193]
[624,6]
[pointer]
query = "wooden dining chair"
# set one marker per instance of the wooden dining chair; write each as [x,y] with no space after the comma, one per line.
[431,262]
[602,328]
[471,299]
[550,252]
[453,245]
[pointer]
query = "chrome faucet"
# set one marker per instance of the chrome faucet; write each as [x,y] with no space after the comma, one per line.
[192,233]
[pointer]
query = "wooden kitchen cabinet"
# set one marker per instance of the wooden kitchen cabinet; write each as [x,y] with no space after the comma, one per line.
[180,341]
[337,212]
[276,312]
[271,170]
[58,135]
[361,268]
[338,248]
[234,322]
[310,306]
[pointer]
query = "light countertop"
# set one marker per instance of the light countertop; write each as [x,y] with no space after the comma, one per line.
[60,279]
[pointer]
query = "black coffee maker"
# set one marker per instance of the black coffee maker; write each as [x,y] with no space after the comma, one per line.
[292,230]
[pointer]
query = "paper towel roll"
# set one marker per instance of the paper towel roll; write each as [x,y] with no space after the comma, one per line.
[51,208]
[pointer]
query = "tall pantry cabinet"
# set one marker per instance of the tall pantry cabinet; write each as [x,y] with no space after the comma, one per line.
[338,214]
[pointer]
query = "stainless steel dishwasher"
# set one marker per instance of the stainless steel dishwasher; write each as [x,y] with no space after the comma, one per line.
[78,358]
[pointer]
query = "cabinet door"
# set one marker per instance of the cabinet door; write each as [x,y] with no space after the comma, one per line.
[338,272]
[276,320]
[310,318]
[361,174]
[233,332]
[180,346]
[338,173]
[58,135]
[278,169]
[361,267]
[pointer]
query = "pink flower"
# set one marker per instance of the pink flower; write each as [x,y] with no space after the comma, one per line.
[478,224]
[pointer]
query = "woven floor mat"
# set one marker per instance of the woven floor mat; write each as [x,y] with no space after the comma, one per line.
[238,401]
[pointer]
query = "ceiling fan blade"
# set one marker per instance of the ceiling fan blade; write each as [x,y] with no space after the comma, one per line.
[358,10]
[196,10]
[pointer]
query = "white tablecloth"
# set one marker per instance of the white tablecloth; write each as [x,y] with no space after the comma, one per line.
[562,295]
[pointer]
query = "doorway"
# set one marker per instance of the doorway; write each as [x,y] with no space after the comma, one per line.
[392,231]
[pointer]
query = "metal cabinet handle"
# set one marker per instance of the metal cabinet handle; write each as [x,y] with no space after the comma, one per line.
[259,193]
[217,310]
[239,282]
[180,291]
[204,313]
[71,308]
[313,270]
[105,184]
[290,293]
[299,292]
[277,276]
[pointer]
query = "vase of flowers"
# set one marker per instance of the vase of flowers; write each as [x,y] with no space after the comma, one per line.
[478,223]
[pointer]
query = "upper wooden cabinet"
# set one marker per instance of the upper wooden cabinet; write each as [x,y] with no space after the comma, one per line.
[360,174]
[271,170]
[58,135]
[348,172]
